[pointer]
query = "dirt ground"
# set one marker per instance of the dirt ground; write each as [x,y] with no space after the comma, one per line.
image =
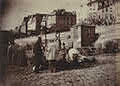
[100,74]
[118,69]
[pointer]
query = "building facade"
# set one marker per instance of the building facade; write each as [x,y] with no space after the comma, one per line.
[107,11]
[60,20]
[65,19]
[83,35]
[104,11]
[93,13]
[93,7]
[117,11]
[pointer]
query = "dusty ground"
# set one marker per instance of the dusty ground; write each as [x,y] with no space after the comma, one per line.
[117,61]
[102,74]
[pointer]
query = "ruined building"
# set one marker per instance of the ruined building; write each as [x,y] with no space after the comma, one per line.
[59,20]
[31,24]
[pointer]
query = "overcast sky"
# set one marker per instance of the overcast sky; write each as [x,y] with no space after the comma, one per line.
[21,8]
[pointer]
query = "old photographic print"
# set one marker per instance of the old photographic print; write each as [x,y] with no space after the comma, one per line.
[59,42]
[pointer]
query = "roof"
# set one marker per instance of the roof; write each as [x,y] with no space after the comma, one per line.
[91,2]
[82,25]
[64,12]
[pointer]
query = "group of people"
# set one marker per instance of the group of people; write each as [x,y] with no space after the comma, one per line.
[45,54]
[49,54]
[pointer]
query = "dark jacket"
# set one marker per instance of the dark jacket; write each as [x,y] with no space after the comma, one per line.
[37,48]
[38,54]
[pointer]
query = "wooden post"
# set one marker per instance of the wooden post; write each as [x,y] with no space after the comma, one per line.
[45,33]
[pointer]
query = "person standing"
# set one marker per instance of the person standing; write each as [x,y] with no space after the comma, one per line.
[52,55]
[38,54]
[28,54]
[10,53]
[64,52]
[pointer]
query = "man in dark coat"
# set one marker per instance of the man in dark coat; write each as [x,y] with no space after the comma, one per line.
[38,54]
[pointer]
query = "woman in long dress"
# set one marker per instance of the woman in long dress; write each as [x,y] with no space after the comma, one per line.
[52,52]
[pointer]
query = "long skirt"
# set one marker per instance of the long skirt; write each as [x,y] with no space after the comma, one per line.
[52,65]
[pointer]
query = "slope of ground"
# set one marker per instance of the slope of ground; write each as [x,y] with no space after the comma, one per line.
[99,75]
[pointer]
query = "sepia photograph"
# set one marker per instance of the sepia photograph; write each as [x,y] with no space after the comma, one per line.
[59,42]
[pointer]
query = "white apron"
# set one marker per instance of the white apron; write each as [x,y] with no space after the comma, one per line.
[51,52]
